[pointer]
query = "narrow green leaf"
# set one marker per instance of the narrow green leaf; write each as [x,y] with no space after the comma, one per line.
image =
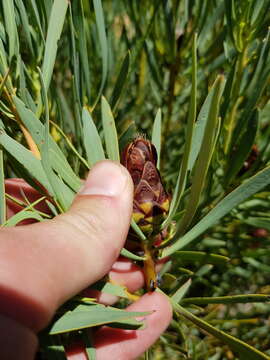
[37,18]
[89,346]
[2,190]
[76,320]
[28,212]
[183,169]
[258,82]
[25,24]
[110,288]
[3,81]
[233,299]
[120,82]
[25,158]
[259,222]
[203,270]
[200,256]
[257,264]
[3,59]
[57,18]
[156,135]
[127,136]
[181,292]
[124,252]
[58,159]
[239,346]
[53,352]
[62,194]
[242,148]
[71,146]
[199,128]
[21,216]
[111,139]
[91,139]
[103,43]
[205,155]
[243,192]
[79,22]
[76,68]
[11,28]
[45,136]
[137,230]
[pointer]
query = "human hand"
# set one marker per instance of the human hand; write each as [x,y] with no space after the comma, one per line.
[45,264]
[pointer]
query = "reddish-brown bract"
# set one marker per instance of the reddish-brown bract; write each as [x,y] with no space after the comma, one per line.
[151,201]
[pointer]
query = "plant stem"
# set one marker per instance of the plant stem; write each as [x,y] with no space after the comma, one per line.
[149,269]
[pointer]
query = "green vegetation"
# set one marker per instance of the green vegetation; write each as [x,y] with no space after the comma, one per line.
[79,79]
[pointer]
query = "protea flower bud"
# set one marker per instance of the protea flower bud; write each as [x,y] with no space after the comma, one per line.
[151,202]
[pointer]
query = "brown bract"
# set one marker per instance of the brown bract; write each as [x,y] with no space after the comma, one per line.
[151,201]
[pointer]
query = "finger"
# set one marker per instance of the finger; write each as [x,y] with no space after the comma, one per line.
[118,344]
[16,341]
[129,344]
[44,264]
[125,272]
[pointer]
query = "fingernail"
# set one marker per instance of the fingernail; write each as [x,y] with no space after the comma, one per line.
[106,178]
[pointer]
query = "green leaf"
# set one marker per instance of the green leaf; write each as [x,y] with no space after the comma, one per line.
[79,22]
[124,252]
[58,160]
[91,139]
[203,270]
[257,264]
[138,231]
[3,61]
[199,129]
[240,347]
[259,222]
[2,190]
[111,139]
[53,352]
[181,292]
[200,256]
[156,135]
[37,18]
[103,43]
[94,316]
[233,299]
[11,28]
[110,288]
[21,216]
[242,148]
[120,82]
[256,86]
[183,169]
[127,135]
[89,346]
[28,212]
[25,158]
[204,157]
[25,24]
[243,192]
[57,18]
[71,146]
[4,80]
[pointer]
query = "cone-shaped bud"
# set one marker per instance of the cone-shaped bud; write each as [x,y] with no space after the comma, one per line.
[151,202]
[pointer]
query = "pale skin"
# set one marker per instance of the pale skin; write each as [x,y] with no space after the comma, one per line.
[45,264]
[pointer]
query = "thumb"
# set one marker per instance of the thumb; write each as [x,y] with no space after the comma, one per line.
[58,258]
